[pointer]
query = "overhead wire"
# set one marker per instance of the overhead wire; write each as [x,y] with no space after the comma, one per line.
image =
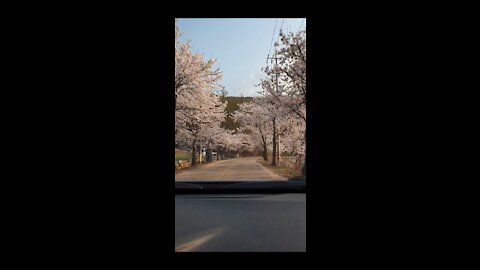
[301,25]
[271,42]
[281,28]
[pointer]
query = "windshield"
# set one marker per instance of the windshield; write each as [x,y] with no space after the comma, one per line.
[240,104]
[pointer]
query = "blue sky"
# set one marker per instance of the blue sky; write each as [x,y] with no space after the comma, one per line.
[240,46]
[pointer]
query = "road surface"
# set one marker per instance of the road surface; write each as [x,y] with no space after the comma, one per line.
[243,169]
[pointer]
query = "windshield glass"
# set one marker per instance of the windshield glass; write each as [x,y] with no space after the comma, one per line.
[240,104]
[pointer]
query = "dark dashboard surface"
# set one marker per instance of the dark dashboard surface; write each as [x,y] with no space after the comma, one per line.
[240,222]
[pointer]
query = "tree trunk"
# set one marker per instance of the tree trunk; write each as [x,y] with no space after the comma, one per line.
[175,113]
[304,167]
[199,154]
[194,158]
[274,153]
[265,155]
[278,150]
[209,153]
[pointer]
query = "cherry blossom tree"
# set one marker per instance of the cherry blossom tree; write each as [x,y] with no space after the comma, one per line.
[193,75]
[254,118]
[291,130]
[198,111]
[199,122]
[285,84]
[291,72]
[274,111]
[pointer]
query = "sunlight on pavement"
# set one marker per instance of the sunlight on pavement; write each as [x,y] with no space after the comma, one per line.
[198,241]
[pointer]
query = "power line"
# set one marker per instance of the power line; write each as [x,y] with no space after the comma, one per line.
[281,27]
[301,25]
[271,42]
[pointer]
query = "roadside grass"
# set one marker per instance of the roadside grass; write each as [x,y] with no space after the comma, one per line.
[182,155]
[286,172]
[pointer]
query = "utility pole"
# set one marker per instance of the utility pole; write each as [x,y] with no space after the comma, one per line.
[275,154]
[278,147]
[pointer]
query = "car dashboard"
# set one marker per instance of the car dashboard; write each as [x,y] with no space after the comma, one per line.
[240,222]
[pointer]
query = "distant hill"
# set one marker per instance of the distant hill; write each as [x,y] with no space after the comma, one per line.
[232,106]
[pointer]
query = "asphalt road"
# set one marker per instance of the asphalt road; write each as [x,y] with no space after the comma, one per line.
[243,169]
